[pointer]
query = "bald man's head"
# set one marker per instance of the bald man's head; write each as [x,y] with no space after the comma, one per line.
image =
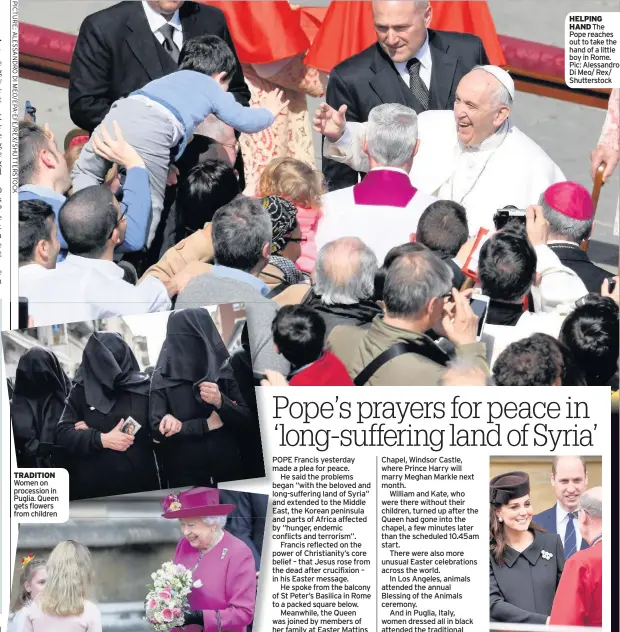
[87,220]
[345,271]
[401,26]
[481,107]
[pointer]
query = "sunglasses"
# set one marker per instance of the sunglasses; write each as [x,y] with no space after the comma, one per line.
[296,240]
[124,210]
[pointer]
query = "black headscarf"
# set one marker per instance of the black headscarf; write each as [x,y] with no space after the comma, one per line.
[41,387]
[39,373]
[192,352]
[108,368]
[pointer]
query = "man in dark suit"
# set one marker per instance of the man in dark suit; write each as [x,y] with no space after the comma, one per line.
[569,478]
[410,64]
[122,48]
[569,209]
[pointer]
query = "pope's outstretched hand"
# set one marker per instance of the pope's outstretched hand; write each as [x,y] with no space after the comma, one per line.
[329,122]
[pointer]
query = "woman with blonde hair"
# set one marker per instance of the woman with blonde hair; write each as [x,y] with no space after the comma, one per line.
[32,581]
[63,604]
[302,185]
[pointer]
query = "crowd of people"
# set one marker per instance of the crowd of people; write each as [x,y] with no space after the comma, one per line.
[387,262]
[547,567]
[120,430]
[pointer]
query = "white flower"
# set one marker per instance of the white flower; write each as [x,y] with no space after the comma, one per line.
[546,555]
[197,584]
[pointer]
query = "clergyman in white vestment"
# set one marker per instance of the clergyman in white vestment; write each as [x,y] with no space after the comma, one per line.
[383,210]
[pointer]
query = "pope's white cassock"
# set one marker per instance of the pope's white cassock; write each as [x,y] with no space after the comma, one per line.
[508,168]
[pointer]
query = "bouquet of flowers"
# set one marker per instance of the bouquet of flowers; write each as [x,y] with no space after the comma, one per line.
[167,601]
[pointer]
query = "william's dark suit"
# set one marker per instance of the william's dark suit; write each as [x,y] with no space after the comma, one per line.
[571,255]
[370,78]
[548,520]
[116,53]
[522,589]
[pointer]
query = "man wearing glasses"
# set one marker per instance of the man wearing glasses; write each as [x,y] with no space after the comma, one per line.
[88,285]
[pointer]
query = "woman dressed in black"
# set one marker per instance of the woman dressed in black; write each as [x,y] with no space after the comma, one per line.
[525,562]
[109,388]
[197,410]
[41,387]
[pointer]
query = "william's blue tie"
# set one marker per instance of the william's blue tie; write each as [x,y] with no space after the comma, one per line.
[570,538]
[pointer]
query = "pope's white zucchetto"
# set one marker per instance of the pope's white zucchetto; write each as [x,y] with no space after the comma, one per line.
[503,77]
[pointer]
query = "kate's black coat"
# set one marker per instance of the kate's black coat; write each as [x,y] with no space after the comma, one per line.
[522,589]
[94,470]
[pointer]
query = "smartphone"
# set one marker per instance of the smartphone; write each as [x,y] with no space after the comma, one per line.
[505,215]
[480,306]
[22,320]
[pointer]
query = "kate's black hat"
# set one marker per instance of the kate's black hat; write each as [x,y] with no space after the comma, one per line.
[506,487]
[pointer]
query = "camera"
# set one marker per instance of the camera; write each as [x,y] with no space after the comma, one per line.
[509,214]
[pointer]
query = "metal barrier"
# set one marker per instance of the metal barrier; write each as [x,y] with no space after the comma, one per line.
[45,56]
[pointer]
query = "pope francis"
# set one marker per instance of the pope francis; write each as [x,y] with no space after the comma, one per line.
[474,155]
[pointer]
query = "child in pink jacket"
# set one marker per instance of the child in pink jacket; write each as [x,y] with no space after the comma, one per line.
[302,185]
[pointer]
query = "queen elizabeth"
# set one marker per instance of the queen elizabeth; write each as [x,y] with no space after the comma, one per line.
[224,590]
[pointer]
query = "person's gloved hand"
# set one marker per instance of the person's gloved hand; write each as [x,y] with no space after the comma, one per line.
[194,617]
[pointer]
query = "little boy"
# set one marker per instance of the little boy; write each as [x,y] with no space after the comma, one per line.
[299,335]
[159,120]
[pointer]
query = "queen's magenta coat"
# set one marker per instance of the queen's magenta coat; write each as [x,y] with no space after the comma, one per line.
[228,577]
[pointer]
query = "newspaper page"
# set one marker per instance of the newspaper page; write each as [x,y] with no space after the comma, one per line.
[207,205]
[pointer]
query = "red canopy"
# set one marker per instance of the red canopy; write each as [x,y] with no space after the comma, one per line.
[269,31]
[348,29]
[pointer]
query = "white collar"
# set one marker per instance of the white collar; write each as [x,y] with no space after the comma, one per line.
[492,142]
[30,269]
[561,512]
[107,268]
[397,169]
[156,20]
[563,242]
[424,54]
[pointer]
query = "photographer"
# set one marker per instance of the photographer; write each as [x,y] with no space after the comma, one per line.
[418,296]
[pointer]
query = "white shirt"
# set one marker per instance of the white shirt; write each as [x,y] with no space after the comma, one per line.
[88,289]
[156,21]
[426,65]
[29,276]
[561,522]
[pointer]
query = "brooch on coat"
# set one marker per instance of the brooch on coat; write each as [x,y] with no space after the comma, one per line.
[224,554]
[546,555]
